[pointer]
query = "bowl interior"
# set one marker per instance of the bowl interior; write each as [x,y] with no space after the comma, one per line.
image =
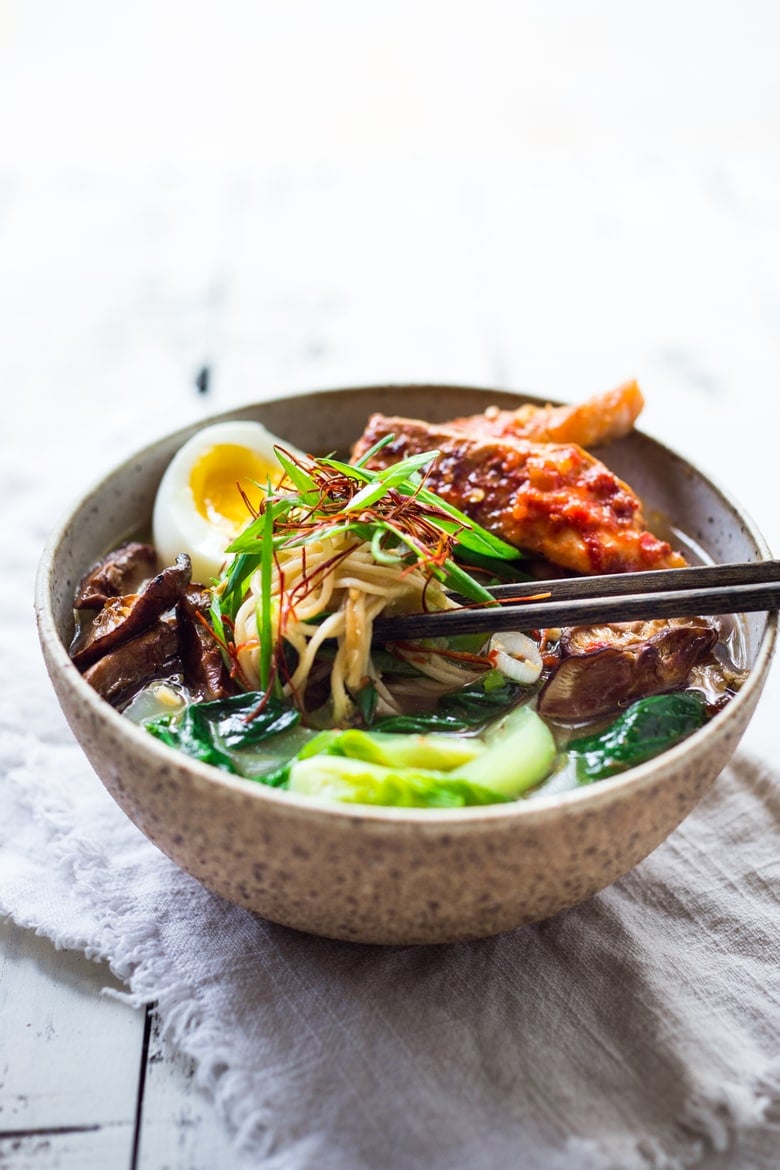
[120,505]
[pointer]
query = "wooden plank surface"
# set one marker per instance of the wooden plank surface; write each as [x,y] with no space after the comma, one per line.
[70,1059]
[179,1128]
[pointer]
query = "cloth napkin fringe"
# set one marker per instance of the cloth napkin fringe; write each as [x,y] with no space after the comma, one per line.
[710,1124]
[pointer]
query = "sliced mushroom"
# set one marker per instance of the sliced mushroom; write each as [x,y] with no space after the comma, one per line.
[122,618]
[205,672]
[136,661]
[121,572]
[603,668]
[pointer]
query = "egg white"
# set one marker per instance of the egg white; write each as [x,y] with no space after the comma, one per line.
[189,517]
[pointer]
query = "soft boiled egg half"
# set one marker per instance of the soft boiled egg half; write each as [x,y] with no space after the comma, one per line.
[199,508]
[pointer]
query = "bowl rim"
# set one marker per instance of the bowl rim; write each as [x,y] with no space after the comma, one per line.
[535,807]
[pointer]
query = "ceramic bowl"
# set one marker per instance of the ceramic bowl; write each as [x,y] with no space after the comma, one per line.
[380,875]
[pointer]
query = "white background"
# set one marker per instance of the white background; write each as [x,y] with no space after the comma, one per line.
[547,197]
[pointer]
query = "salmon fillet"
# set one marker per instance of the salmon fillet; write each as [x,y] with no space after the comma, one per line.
[551,499]
[599,420]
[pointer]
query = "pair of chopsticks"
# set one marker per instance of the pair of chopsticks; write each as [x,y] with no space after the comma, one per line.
[619,597]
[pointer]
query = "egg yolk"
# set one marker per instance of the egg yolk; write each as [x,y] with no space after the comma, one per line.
[220,476]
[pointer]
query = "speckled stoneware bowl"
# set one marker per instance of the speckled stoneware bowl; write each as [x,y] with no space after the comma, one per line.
[390,875]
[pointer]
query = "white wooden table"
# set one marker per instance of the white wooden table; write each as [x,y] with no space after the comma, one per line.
[340,196]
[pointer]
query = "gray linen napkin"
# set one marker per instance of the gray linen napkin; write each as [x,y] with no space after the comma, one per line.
[637,1030]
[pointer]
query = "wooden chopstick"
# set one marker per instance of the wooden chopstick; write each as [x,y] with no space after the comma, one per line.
[662,593]
[654,581]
